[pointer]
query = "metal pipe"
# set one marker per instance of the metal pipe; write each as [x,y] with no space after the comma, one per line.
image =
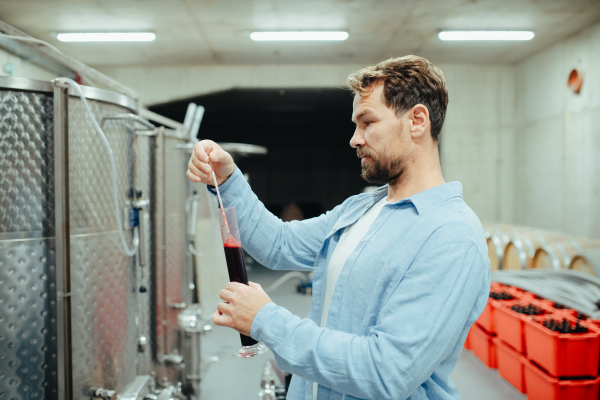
[128,116]
[189,115]
[195,127]
[163,241]
[62,240]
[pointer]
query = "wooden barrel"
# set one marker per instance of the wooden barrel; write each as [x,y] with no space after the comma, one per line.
[497,238]
[588,261]
[520,249]
[559,252]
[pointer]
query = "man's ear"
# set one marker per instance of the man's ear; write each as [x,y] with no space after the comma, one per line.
[419,121]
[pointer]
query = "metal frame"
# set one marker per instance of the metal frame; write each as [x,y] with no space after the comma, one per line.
[93,93]
[14,82]
[33,85]
[63,241]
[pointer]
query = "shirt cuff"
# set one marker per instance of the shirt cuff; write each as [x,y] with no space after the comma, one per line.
[234,179]
[268,323]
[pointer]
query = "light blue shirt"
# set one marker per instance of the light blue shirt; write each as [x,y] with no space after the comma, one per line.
[403,303]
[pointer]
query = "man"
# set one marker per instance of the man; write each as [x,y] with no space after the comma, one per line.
[400,274]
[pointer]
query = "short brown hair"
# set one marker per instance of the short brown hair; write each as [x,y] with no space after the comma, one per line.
[408,81]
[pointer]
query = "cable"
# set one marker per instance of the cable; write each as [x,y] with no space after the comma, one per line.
[574,289]
[34,40]
[136,238]
[284,278]
[191,247]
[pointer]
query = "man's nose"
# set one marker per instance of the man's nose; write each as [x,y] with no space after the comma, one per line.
[358,139]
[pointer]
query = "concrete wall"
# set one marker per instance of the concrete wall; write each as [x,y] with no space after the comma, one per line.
[558,138]
[477,140]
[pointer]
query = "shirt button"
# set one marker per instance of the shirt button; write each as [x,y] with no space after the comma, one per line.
[368,205]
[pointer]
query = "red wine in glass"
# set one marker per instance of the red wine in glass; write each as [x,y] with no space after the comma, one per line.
[234,257]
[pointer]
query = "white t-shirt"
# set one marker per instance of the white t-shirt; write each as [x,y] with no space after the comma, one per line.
[350,238]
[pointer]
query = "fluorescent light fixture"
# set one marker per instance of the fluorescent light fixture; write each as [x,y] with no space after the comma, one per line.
[307,35]
[107,37]
[486,35]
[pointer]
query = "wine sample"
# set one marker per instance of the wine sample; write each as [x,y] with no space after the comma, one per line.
[234,256]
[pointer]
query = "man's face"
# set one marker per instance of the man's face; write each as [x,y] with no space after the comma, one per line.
[381,138]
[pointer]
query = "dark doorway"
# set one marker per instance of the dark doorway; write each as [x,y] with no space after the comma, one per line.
[306,131]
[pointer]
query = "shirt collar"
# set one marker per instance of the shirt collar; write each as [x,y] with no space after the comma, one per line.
[426,199]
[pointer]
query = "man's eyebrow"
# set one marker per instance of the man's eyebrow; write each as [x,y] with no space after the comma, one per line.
[363,114]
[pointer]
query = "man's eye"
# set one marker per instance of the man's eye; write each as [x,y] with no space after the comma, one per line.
[367,123]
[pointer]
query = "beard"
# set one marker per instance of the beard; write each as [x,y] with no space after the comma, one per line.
[381,170]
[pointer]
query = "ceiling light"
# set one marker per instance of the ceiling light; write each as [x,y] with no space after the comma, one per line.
[299,35]
[107,37]
[486,35]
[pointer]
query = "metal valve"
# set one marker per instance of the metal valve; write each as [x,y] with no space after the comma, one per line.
[103,394]
[173,359]
[178,306]
[142,342]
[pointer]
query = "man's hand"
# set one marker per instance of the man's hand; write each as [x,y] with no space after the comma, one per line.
[241,305]
[207,152]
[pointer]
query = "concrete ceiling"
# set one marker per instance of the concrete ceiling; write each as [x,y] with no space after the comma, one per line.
[217,31]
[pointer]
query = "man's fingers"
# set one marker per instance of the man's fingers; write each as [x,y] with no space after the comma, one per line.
[224,308]
[220,156]
[201,148]
[195,170]
[226,295]
[192,177]
[233,286]
[257,286]
[201,165]
[222,320]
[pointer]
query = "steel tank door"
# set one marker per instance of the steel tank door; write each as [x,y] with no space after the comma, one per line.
[27,265]
[173,262]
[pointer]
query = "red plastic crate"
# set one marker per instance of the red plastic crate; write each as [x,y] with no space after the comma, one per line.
[541,386]
[563,355]
[511,365]
[486,319]
[483,346]
[467,344]
[509,324]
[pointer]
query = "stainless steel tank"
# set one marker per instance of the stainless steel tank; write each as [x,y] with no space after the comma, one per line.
[28,336]
[78,318]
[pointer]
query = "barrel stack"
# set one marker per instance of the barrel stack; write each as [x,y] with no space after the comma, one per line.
[514,247]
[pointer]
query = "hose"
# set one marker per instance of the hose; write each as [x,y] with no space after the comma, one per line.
[136,238]
[191,247]
[574,289]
